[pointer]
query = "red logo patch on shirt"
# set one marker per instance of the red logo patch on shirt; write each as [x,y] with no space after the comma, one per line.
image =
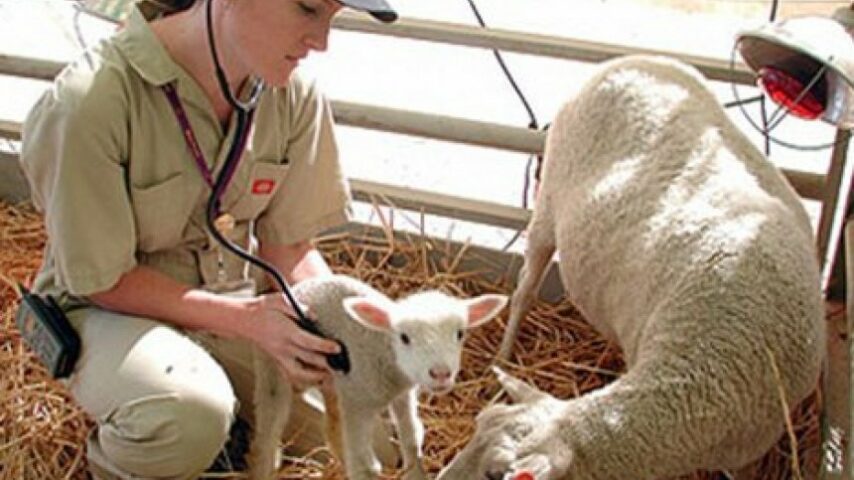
[263,186]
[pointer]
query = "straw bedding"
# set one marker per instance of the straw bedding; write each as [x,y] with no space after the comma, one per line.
[42,432]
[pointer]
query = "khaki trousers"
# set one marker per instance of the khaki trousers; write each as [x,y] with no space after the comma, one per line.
[164,400]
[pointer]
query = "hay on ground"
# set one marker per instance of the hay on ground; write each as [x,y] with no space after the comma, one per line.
[42,432]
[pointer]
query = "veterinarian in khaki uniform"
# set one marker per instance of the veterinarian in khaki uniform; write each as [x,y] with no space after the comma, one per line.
[166,317]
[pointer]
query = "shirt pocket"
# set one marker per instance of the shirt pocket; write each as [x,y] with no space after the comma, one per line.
[161,213]
[264,181]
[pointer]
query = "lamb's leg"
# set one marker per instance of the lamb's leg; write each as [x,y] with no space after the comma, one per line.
[359,459]
[410,431]
[332,422]
[272,404]
[538,253]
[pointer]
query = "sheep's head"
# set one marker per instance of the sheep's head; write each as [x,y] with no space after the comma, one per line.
[524,440]
[427,331]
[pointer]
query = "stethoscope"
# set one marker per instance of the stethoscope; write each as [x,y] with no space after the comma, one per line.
[245,110]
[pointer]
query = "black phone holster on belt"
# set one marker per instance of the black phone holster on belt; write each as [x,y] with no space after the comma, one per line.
[47,331]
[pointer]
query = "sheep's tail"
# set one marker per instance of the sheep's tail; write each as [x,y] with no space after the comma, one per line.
[272,399]
[332,423]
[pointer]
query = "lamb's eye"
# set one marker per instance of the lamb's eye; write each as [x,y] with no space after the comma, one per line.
[404,338]
[460,335]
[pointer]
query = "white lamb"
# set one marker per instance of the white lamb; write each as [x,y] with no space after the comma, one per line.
[681,242]
[394,348]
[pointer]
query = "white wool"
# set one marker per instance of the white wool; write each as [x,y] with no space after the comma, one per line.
[680,241]
[386,371]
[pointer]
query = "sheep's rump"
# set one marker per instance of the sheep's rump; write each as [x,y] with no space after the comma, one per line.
[680,239]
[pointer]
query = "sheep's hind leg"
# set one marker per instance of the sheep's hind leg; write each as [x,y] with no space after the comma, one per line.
[538,254]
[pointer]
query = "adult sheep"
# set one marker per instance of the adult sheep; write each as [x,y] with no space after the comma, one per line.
[681,242]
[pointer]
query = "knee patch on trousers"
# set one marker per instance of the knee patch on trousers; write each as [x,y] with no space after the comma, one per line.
[166,435]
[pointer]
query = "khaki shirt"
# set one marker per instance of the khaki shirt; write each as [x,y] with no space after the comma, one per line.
[110,168]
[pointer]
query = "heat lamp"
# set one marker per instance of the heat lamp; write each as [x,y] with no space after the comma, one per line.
[806,65]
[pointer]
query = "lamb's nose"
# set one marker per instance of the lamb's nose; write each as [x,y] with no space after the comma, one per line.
[442,374]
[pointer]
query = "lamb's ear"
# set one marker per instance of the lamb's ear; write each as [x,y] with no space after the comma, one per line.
[484,308]
[369,312]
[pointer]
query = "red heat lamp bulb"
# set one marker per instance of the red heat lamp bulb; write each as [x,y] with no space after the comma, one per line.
[785,89]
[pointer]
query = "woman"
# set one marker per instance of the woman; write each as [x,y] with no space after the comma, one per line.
[122,154]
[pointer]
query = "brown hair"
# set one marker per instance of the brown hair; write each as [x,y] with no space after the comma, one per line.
[152,8]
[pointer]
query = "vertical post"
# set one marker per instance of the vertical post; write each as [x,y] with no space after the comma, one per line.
[835,207]
[848,455]
[835,246]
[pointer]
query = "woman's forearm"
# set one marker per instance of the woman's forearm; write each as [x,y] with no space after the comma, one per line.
[146,292]
[296,262]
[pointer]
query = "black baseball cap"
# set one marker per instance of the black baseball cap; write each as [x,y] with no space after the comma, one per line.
[379,9]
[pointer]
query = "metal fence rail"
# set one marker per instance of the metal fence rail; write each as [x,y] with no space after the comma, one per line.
[823,187]
[440,127]
[427,125]
[530,43]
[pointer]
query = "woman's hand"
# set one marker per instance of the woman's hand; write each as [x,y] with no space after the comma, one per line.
[300,355]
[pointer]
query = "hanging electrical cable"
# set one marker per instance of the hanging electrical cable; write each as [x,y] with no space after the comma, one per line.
[532,124]
[763,105]
[533,120]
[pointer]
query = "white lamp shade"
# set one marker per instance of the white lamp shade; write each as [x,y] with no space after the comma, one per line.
[801,46]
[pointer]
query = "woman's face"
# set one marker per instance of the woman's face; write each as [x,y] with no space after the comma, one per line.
[268,38]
